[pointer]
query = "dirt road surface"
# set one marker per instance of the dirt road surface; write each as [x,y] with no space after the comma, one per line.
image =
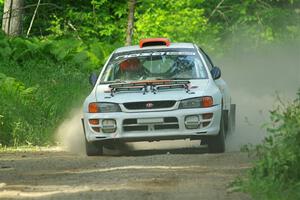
[141,174]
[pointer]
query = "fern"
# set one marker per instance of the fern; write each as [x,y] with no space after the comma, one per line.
[40,81]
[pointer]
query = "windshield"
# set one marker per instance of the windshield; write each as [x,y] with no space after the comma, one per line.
[177,64]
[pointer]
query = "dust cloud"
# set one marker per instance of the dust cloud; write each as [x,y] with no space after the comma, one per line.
[255,80]
[69,134]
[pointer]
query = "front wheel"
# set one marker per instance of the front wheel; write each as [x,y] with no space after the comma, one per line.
[216,144]
[93,148]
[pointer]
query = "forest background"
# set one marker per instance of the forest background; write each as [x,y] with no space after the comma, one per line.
[46,59]
[48,48]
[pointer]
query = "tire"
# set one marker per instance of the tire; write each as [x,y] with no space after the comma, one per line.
[93,148]
[216,144]
[115,148]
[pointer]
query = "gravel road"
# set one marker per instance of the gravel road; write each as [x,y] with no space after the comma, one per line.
[182,173]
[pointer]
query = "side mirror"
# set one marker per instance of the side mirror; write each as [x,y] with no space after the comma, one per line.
[215,73]
[93,79]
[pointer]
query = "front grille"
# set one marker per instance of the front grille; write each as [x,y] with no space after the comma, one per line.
[133,125]
[149,105]
[166,126]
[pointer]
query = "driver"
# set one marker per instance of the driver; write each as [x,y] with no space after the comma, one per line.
[131,69]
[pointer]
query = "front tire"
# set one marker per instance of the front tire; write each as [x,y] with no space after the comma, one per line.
[216,144]
[93,148]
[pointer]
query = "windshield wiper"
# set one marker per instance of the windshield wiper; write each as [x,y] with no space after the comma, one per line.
[179,78]
[115,81]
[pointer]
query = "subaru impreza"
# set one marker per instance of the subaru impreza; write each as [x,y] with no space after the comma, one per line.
[158,90]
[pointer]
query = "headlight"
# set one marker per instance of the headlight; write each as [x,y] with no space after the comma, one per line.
[199,102]
[103,107]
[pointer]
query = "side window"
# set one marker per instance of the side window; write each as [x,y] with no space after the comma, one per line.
[207,59]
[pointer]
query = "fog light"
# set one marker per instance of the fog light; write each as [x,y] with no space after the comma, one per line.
[207,115]
[94,121]
[109,126]
[204,124]
[96,129]
[192,122]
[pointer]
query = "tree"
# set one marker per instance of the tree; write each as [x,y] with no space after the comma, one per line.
[12,17]
[130,23]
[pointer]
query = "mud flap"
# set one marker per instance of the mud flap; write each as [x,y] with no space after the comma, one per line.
[82,121]
[225,115]
[232,118]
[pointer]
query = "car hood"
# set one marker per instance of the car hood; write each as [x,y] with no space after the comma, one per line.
[197,88]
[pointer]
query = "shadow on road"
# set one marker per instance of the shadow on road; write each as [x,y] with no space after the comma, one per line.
[150,152]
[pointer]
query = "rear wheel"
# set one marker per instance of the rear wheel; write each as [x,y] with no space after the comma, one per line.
[93,148]
[216,144]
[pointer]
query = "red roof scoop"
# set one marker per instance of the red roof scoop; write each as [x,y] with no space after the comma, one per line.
[154,42]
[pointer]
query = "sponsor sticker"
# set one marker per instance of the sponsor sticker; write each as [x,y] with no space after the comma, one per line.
[158,53]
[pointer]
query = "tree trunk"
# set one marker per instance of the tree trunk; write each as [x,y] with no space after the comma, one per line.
[12,17]
[129,33]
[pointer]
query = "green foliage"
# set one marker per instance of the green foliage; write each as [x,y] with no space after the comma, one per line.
[50,77]
[182,21]
[1,9]
[15,100]
[51,67]
[214,26]
[101,19]
[254,23]
[276,174]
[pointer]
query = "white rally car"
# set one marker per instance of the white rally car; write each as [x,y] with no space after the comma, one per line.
[158,90]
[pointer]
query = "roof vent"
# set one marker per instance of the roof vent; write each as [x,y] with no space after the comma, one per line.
[154,42]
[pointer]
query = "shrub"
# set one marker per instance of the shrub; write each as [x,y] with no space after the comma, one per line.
[276,174]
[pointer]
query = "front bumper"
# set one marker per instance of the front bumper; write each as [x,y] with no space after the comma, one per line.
[154,130]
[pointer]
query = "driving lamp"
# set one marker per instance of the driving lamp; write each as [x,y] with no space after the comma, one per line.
[199,102]
[101,107]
